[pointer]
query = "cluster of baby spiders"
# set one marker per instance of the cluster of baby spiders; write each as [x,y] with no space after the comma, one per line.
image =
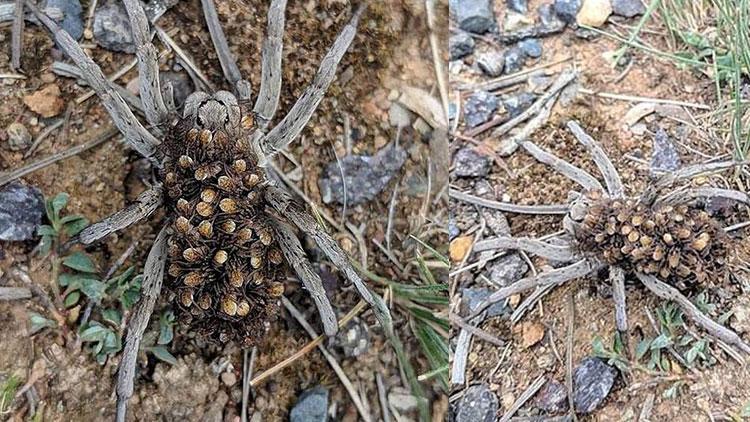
[229,235]
[665,240]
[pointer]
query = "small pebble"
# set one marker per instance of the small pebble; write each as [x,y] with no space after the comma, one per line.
[567,9]
[531,47]
[228,378]
[469,163]
[478,404]
[628,8]
[311,406]
[21,210]
[592,381]
[513,60]
[18,136]
[479,108]
[460,45]
[475,16]
[491,62]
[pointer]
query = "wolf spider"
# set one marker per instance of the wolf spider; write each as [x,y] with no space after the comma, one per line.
[229,229]
[652,236]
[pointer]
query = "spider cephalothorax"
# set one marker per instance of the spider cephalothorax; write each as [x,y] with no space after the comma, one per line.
[226,269]
[681,244]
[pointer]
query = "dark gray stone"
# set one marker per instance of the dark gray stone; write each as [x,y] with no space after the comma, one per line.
[479,108]
[460,45]
[353,340]
[469,163]
[508,269]
[473,15]
[520,6]
[516,104]
[364,176]
[664,157]
[72,16]
[491,62]
[181,83]
[628,8]
[478,404]
[472,297]
[514,60]
[112,27]
[567,9]
[592,381]
[18,136]
[552,398]
[531,47]
[548,18]
[21,210]
[311,406]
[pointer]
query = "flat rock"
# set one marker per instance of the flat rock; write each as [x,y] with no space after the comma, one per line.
[628,8]
[21,210]
[552,398]
[469,163]
[491,62]
[516,104]
[508,269]
[472,297]
[514,58]
[594,12]
[664,157]
[112,27]
[311,406]
[531,47]
[475,16]
[364,176]
[46,101]
[460,45]
[567,10]
[72,16]
[478,404]
[592,381]
[479,108]
[548,18]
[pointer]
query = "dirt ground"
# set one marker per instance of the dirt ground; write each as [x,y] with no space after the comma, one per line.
[390,52]
[719,391]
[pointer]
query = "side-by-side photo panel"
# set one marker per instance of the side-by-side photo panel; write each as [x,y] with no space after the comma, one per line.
[600,217]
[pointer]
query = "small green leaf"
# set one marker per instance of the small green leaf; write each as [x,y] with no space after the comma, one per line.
[81,262]
[112,316]
[45,245]
[95,332]
[166,331]
[642,348]
[72,298]
[39,322]
[45,230]
[598,347]
[661,342]
[92,288]
[163,354]
[74,225]
[56,205]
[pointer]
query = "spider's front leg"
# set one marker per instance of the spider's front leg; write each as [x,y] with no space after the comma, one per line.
[135,134]
[228,64]
[292,124]
[153,274]
[617,279]
[148,67]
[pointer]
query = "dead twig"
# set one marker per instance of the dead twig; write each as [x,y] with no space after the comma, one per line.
[14,293]
[524,397]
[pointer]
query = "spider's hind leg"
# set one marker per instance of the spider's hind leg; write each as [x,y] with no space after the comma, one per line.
[153,274]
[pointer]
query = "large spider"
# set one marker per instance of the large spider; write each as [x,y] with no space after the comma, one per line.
[665,240]
[228,233]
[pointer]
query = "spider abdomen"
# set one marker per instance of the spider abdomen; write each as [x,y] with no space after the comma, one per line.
[680,244]
[225,269]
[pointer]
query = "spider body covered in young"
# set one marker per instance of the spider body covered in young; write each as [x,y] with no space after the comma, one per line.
[229,235]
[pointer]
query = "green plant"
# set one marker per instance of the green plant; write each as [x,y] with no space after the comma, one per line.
[79,284]
[8,392]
